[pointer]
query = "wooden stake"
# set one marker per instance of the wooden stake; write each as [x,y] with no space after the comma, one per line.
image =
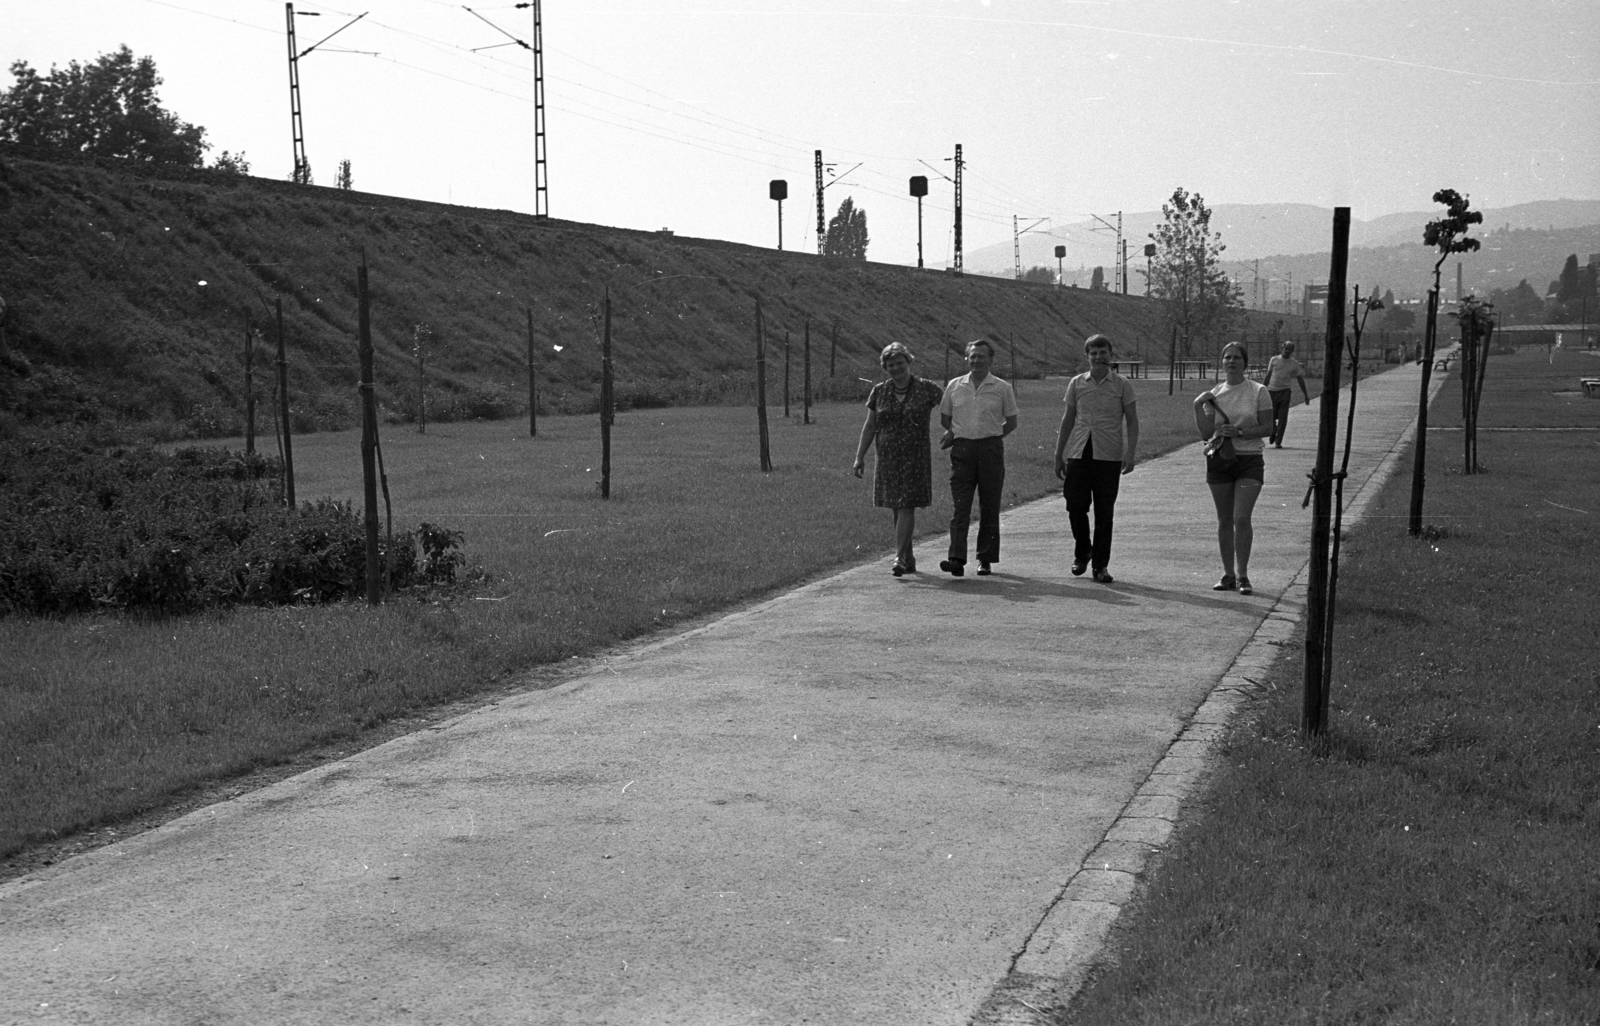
[606,408]
[1314,704]
[369,438]
[283,403]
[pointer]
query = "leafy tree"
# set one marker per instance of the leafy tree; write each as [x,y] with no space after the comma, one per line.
[1201,302]
[1520,305]
[1398,318]
[847,233]
[1570,285]
[1039,273]
[231,163]
[1097,281]
[344,180]
[108,108]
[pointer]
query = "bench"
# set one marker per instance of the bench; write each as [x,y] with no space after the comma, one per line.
[1135,368]
[1443,363]
[1591,387]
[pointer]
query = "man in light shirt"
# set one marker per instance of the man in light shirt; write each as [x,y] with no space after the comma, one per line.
[978,411]
[1283,371]
[1092,454]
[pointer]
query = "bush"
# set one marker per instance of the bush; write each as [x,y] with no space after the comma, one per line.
[84,529]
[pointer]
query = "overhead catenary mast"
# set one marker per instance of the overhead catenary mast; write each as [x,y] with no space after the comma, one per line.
[302,167]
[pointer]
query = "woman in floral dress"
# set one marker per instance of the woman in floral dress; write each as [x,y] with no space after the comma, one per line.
[897,420]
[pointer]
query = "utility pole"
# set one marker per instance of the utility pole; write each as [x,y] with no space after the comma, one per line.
[919,189]
[541,183]
[302,167]
[1118,254]
[1016,239]
[541,173]
[778,189]
[822,227]
[959,164]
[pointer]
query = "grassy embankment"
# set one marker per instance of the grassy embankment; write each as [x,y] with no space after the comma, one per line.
[128,287]
[105,718]
[1437,858]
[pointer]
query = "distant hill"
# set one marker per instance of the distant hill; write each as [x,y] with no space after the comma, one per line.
[1251,231]
[128,288]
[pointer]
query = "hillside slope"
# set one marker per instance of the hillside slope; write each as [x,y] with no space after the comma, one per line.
[129,287]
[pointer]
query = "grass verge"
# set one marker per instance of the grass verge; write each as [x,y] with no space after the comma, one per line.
[1434,859]
[111,724]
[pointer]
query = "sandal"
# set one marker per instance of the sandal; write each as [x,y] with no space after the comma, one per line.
[1226,584]
[1244,586]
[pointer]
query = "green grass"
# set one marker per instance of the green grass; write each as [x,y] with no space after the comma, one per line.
[1437,858]
[102,718]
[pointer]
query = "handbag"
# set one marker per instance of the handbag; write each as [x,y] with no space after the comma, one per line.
[1220,455]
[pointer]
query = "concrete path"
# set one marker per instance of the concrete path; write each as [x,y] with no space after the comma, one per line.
[870,801]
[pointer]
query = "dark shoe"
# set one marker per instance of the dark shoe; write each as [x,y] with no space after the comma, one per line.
[1101,577]
[911,566]
[1226,584]
[952,568]
[897,570]
[983,569]
[1244,586]
[1079,568]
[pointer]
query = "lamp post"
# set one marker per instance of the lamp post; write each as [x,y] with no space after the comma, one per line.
[1149,256]
[1061,253]
[778,189]
[919,189]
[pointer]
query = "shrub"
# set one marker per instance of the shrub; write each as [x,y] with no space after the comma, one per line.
[136,529]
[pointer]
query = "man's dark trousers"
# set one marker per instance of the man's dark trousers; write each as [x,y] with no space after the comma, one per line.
[976,464]
[1282,399]
[1091,481]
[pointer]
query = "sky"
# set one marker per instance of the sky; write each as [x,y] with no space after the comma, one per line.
[677,113]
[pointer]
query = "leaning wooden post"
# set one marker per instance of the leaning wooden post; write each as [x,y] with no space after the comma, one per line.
[1314,704]
[786,375]
[249,386]
[606,406]
[761,389]
[369,439]
[533,393]
[805,395]
[283,403]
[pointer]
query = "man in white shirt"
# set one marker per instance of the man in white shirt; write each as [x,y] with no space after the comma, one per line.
[978,411]
[1093,452]
[1282,372]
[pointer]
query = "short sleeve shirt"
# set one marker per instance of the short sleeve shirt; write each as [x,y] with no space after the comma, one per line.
[1247,404]
[1099,408]
[979,412]
[1281,372]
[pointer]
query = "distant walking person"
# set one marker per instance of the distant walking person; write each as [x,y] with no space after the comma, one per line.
[1282,371]
[897,422]
[1239,410]
[978,411]
[1092,454]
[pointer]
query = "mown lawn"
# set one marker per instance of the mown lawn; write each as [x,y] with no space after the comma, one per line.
[104,718]
[1436,859]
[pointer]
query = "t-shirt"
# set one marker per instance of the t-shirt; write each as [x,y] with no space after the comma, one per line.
[1098,411]
[1247,405]
[1281,372]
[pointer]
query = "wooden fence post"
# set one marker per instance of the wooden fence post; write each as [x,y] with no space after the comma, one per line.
[761,389]
[805,396]
[1314,703]
[533,392]
[606,405]
[283,404]
[369,438]
[249,386]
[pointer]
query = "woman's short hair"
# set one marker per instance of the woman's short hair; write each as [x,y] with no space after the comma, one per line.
[895,349]
[1094,340]
[1239,346]
[985,343]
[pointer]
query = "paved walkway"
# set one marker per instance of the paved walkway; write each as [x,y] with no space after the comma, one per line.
[870,801]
